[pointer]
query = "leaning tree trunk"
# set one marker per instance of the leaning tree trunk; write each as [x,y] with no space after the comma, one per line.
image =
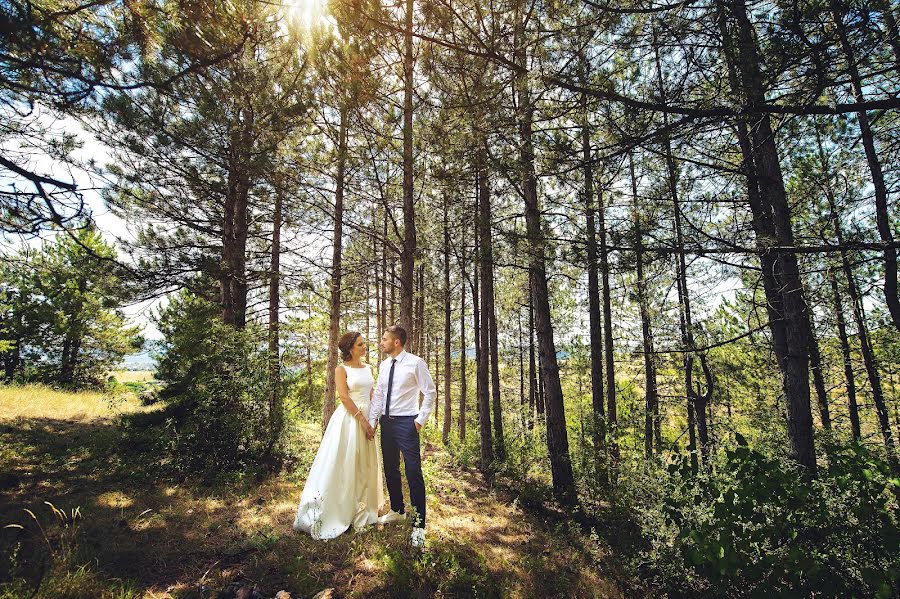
[891,30]
[336,272]
[408,252]
[862,332]
[815,364]
[882,214]
[557,435]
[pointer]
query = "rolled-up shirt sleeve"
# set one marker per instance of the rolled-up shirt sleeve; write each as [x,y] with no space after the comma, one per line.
[426,386]
[377,406]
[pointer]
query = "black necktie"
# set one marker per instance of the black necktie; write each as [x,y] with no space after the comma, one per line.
[387,402]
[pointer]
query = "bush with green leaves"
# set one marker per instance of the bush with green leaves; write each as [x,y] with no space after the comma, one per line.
[757,526]
[216,378]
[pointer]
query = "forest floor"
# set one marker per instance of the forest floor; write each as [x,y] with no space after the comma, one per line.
[141,531]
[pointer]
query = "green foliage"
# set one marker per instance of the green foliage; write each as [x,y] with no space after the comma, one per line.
[758,527]
[217,378]
[60,321]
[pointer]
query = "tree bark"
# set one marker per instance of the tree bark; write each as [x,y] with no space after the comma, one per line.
[448,405]
[484,345]
[532,364]
[598,428]
[557,435]
[607,319]
[882,215]
[862,332]
[849,376]
[650,388]
[233,283]
[772,225]
[408,253]
[276,412]
[488,310]
[336,273]
[462,340]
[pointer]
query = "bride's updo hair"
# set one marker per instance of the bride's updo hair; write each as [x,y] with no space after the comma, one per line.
[346,342]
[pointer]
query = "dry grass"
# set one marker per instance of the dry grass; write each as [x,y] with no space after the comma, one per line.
[133,376]
[41,401]
[150,532]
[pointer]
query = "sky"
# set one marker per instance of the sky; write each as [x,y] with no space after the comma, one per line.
[112,227]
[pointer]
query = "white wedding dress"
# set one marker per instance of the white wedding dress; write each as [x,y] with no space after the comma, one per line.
[346,484]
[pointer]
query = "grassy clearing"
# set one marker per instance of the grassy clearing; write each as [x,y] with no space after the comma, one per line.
[142,530]
[133,376]
[35,401]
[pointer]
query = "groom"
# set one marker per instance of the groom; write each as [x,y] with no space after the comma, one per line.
[396,401]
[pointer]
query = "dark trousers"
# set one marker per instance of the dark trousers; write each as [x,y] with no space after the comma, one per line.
[399,435]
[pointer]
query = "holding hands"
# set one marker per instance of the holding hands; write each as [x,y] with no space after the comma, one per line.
[370,432]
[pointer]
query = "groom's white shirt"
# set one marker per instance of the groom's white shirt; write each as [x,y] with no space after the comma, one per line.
[410,376]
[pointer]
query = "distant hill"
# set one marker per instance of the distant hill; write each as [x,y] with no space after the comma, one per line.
[141,360]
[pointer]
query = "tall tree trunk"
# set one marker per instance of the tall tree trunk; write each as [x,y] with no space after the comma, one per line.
[862,332]
[419,322]
[607,319]
[521,351]
[448,405]
[815,364]
[849,376]
[650,387]
[598,427]
[476,299]
[772,225]
[891,30]
[408,253]
[557,435]
[484,345]
[532,364]
[276,412]
[379,301]
[488,311]
[393,292]
[309,372]
[462,339]
[336,272]
[384,279]
[235,225]
[882,215]
[842,327]
[695,399]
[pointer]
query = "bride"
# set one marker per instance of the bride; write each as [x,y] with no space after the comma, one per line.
[345,483]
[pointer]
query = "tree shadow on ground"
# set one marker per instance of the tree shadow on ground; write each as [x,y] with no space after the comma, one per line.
[146,527]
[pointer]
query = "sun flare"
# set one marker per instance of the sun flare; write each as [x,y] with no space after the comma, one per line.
[307,13]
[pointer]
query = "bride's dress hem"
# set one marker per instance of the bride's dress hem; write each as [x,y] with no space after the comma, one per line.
[345,486]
